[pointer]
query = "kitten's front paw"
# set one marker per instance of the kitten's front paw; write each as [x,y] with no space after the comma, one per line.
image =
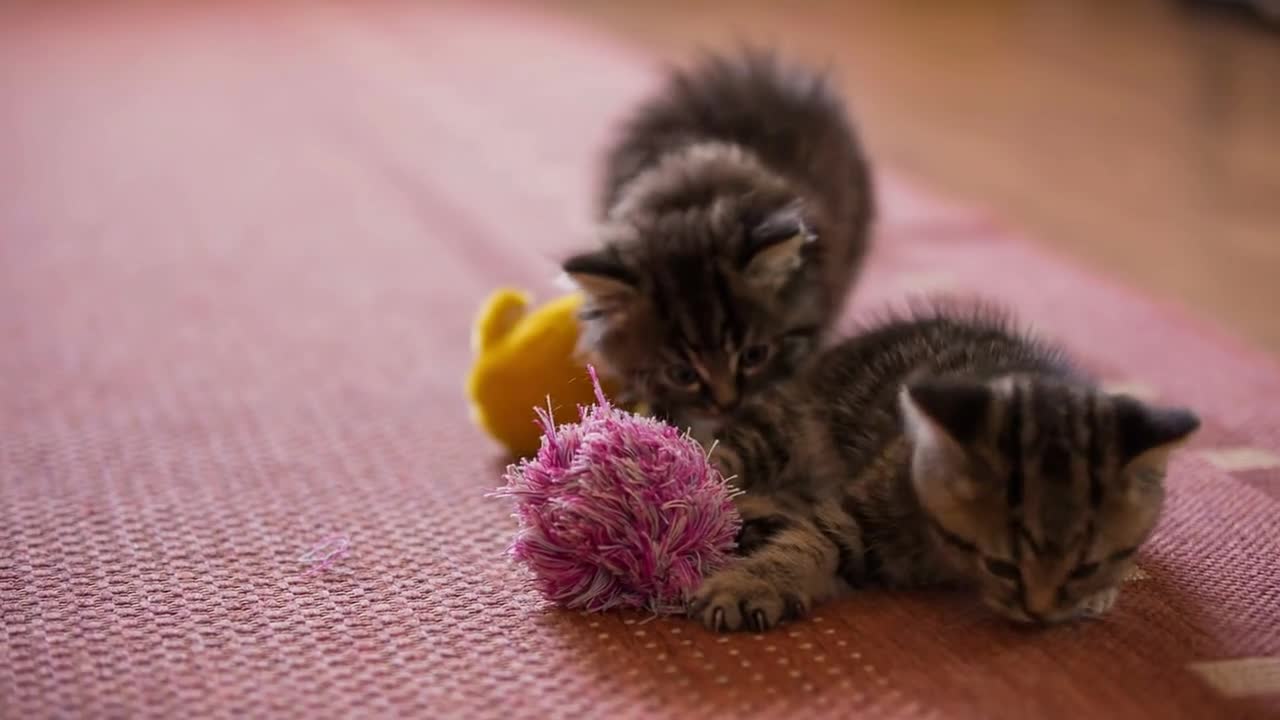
[735,599]
[1099,603]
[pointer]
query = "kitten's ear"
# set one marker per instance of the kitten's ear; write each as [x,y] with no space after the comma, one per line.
[1146,434]
[608,284]
[957,410]
[942,418]
[775,248]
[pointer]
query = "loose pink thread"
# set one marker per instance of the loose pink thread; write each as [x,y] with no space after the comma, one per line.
[323,556]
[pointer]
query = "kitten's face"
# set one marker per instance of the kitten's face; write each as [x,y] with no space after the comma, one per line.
[1039,493]
[696,308]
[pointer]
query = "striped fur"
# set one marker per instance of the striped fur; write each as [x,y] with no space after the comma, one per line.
[940,449]
[736,209]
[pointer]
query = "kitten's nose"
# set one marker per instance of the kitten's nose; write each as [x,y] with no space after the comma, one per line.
[1039,602]
[724,395]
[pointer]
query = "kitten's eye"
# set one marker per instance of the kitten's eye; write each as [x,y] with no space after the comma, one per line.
[1002,569]
[682,375]
[1124,554]
[1083,571]
[754,356]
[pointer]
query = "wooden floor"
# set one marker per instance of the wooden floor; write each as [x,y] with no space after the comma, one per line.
[1140,137]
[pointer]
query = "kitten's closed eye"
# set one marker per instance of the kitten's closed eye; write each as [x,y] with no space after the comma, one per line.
[754,357]
[682,376]
[1083,571]
[1002,569]
[1122,554]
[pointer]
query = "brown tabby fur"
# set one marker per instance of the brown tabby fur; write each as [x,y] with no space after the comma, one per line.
[940,449]
[736,208]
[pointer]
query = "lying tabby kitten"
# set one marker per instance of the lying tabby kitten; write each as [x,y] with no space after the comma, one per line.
[736,213]
[940,449]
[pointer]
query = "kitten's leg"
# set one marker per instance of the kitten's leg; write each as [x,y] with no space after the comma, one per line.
[789,565]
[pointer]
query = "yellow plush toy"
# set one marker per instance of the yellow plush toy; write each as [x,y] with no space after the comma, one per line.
[521,358]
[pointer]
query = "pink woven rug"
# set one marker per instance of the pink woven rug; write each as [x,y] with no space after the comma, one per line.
[240,247]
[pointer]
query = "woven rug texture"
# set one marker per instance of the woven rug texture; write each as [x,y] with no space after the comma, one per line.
[240,249]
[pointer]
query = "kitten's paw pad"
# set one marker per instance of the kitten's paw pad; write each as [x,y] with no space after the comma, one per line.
[1099,603]
[733,601]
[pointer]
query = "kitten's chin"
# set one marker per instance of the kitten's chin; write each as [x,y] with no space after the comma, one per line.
[1013,614]
[705,429]
[1019,616]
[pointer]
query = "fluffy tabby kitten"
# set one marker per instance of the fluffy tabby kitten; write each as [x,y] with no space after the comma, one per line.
[736,210]
[940,449]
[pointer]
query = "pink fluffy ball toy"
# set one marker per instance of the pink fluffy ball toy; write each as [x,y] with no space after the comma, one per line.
[619,511]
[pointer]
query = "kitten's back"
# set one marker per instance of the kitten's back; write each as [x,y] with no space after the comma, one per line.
[788,115]
[866,372]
